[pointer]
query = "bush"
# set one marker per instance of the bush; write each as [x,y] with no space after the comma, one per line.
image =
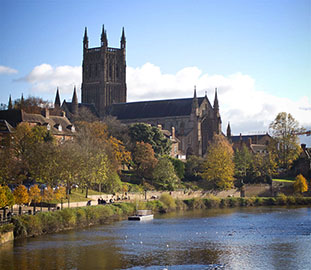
[6,228]
[69,217]
[212,202]
[291,200]
[233,202]
[168,201]
[281,199]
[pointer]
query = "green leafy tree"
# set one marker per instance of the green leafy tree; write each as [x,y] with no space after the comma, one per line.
[285,145]
[193,168]
[141,132]
[243,161]
[179,167]
[300,185]
[218,168]
[164,176]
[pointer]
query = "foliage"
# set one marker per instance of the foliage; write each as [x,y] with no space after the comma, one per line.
[168,201]
[218,168]
[3,198]
[141,132]
[164,176]
[285,145]
[113,183]
[179,167]
[60,193]
[31,104]
[48,194]
[243,162]
[9,196]
[300,184]
[193,168]
[21,195]
[144,159]
[6,228]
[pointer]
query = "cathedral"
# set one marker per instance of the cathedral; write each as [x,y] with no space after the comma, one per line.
[193,120]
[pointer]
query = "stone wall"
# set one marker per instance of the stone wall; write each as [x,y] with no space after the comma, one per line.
[6,237]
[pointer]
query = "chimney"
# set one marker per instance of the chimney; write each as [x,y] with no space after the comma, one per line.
[173,133]
[46,113]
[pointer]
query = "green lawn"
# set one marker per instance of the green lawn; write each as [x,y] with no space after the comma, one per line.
[283,180]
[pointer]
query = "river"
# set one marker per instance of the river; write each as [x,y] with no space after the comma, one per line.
[238,238]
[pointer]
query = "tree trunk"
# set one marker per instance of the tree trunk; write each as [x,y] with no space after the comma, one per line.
[86,192]
[100,187]
[19,210]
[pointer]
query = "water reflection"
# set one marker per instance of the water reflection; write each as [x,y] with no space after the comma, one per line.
[255,238]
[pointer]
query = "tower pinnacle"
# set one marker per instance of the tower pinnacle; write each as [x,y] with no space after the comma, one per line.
[74,102]
[123,41]
[85,40]
[104,40]
[57,99]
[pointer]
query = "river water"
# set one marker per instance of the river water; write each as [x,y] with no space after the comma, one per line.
[247,238]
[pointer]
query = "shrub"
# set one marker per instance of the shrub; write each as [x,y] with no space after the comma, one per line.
[180,205]
[19,227]
[168,201]
[212,202]
[69,217]
[81,217]
[291,200]
[281,199]
[6,228]
[233,202]
[259,201]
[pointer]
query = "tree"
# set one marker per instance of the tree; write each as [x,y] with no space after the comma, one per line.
[21,196]
[285,140]
[193,168]
[243,161]
[31,104]
[218,167]
[144,159]
[300,185]
[179,167]
[48,195]
[35,196]
[164,176]
[141,132]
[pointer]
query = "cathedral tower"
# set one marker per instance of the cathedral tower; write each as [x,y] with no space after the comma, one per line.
[103,73]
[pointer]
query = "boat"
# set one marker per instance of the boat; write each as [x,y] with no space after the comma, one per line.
[142,215]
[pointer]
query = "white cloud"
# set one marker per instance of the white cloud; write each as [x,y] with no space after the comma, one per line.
[7,70]
[45,78]
[247,108]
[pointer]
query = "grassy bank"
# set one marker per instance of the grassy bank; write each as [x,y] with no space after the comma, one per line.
[69,218]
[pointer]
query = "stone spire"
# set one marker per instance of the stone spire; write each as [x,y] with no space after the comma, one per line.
[85,40]
[22,102]
[216,104]
[195,104]
[74,102]
[57,99]
[228,131]
[10,105]
[104,40]
[123,40]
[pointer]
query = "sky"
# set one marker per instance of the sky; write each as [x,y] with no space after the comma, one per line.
[256,53]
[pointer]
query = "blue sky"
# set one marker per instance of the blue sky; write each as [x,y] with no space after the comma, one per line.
[255,51]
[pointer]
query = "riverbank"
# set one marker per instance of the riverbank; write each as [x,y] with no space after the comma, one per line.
[70,218]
